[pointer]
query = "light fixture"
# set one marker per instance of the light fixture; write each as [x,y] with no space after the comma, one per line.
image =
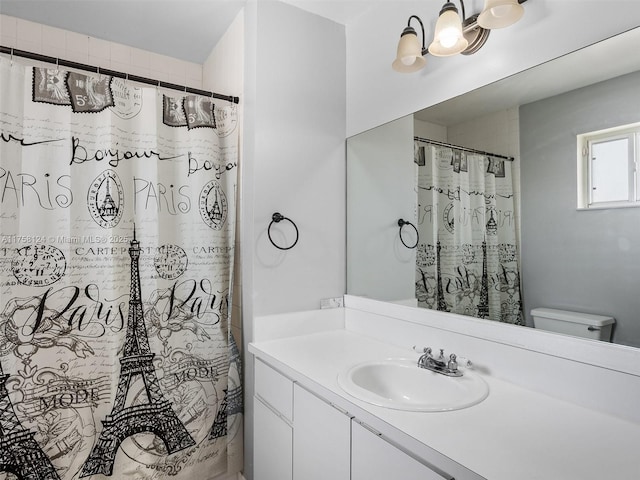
[500,13]
[475,35]
[448,39]
[454,34]
[410,56]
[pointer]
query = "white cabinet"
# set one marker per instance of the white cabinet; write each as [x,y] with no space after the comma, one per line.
[297,435]
[273,444]
[272,424]
[321,439]
[372,458]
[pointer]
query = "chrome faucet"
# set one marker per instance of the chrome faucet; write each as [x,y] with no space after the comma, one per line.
[440,364]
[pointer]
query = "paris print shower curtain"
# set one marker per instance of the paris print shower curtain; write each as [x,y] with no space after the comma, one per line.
[116,257]
[467,256]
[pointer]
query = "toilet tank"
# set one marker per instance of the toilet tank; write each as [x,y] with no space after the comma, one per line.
[585,325]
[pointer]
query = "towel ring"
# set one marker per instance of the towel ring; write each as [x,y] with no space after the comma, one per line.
[402,223]
[277,217]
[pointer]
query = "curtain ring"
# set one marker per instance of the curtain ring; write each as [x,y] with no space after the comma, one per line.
[402,223]
[276,218]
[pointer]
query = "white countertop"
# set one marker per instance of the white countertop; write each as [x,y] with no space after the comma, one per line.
[514,434]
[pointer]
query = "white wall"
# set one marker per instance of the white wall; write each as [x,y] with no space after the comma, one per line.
[429,130]
[298,165]
[223,71]
[381,173]
[55,42]
[294,164]
[376,94]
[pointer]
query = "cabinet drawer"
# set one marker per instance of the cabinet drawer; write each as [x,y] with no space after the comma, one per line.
[274,389]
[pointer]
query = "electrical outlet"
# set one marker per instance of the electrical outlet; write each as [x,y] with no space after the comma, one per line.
[335,302]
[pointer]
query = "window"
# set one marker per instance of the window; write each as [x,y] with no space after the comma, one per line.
[608,168]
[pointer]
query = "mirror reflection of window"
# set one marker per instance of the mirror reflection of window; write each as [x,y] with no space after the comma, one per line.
[608,170]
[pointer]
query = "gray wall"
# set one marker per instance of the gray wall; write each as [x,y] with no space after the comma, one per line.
[585,261]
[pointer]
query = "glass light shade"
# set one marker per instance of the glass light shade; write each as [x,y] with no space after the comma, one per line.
[500,13]
[409,57]
[448,39]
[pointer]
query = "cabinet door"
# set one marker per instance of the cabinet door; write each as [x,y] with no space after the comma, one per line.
[272,444]
[321,439]
[372,458]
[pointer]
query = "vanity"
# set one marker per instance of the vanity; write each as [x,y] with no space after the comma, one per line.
[550,411]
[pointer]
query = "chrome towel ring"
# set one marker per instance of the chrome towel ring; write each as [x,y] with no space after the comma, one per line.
[277,218]
[402,223]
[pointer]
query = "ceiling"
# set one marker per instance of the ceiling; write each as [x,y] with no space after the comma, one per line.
[185,29]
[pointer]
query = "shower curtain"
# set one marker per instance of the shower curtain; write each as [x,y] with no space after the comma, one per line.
[467,257]
[116,259]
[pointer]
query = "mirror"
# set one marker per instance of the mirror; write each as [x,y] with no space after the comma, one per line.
[570,259]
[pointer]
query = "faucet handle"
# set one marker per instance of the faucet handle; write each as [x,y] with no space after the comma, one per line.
[452,364]
[464,362]
[426,350]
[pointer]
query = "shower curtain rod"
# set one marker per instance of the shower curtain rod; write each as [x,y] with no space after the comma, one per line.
[465,149]
[113,73]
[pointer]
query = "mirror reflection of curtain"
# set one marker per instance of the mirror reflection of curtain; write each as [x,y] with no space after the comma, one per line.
[467,257]
[116,257]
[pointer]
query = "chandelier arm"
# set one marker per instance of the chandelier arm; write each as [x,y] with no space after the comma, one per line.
[424,48]
[464,16]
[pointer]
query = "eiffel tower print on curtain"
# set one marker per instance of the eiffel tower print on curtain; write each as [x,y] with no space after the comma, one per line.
[156,416]
[483,306]
[232,403]
[441,302]
[20,454]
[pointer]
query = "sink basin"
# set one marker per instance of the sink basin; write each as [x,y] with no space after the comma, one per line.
[399,384]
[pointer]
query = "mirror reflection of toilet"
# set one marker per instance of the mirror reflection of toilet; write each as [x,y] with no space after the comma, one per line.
[585,325]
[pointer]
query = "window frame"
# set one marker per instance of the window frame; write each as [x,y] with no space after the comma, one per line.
[585,143]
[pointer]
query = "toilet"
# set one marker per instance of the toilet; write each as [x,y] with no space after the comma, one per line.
[585,325]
